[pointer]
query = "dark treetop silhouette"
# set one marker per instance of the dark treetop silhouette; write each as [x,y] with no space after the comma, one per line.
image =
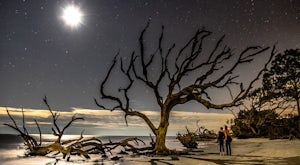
[282,80]
[187,61]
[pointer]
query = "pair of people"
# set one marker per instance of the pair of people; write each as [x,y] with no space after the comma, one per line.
[224,135]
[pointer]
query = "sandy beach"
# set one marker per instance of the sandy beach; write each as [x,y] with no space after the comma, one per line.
[244,151]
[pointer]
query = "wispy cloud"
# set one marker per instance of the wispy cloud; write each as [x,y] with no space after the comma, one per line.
[114,121]
[33,113]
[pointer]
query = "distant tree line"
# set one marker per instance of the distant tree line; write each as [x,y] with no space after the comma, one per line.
[266,123]
[263,114]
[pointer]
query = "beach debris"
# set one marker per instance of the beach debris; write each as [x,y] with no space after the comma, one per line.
[122,152]
[188,139]
[174,157]
[79,146]
[116,157]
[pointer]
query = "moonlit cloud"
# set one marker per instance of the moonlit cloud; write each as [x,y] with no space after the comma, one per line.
[40,123]
[114,121]
[28,112]
[32,113]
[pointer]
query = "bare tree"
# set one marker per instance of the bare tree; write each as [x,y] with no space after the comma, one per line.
[210,74]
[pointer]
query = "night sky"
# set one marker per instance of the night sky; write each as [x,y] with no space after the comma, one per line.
[40,55]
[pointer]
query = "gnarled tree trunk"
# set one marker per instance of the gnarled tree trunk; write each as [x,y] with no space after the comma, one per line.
[161,133]
[160,143]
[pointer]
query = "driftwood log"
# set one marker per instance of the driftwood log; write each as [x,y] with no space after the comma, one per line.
[79,146]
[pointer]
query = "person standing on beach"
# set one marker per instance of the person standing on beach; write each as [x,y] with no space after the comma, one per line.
[221,138]
[228,140]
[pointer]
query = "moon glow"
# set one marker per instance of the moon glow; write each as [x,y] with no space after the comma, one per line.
[72,16]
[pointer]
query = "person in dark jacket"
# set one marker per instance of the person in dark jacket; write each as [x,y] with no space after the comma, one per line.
[228,140]
[221,138]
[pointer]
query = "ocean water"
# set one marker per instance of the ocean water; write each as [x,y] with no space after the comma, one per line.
[12,150]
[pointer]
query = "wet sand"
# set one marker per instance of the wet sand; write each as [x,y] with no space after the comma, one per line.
[244,151]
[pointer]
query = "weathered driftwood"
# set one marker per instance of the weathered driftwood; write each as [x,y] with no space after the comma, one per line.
[80,146]
[67,148]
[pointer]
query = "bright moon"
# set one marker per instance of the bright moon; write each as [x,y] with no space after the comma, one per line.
[72,16]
